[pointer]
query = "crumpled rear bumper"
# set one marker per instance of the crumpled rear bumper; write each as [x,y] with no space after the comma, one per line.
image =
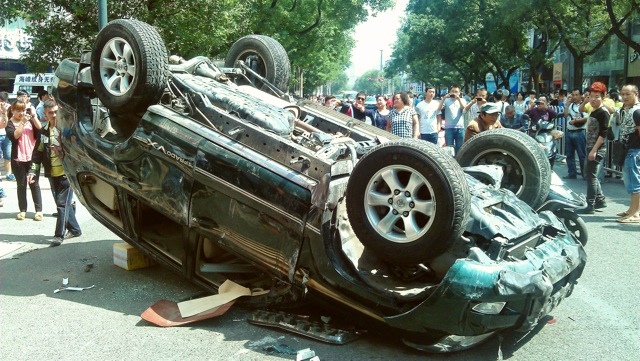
[530,288]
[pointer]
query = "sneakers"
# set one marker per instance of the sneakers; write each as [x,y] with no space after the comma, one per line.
[10,177]
[55,241]
[72,235]
[600,203]
[589,209]
[38,216]
[21,216]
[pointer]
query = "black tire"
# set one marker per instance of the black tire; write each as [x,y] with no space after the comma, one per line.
[272,60]
[437,202]
[527,172]
[121,46]
[575,224]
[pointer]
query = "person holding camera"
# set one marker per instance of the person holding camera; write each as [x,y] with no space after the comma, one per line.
[473,108]
[22,131]
[453,106]
[540,112]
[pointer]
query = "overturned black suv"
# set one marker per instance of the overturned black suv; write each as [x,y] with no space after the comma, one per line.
[216,173]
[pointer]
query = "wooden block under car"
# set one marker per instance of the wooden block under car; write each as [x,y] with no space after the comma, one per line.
[128,257]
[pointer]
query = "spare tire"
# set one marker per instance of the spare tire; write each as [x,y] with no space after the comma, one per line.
[407,201]
[266,56]
[129,66]
[527,172]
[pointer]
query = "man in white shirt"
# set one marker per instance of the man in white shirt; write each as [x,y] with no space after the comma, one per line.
[429,116]
[575,137]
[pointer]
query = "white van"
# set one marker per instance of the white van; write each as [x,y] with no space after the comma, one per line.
[33,83]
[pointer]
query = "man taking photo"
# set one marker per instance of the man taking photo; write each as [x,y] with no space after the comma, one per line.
[48,152]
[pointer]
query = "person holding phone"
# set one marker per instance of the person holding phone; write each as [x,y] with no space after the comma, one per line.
[48,152]
[22,131]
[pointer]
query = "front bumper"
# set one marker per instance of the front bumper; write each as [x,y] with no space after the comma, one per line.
[530,289]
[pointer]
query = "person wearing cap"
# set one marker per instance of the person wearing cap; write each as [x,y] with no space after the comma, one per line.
[486,120]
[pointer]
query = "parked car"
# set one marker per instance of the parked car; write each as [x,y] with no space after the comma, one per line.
[370,103]
[216,174]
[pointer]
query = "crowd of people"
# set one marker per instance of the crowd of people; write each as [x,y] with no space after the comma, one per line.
[29,139]
[590,118]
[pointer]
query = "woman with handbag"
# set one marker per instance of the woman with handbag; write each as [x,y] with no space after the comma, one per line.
[630,136]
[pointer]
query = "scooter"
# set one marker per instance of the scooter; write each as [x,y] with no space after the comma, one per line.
[563,201]
[546,134]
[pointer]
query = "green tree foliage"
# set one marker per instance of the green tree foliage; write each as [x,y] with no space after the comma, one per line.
[371,82]
[316,33]
[340,83]
[470,38]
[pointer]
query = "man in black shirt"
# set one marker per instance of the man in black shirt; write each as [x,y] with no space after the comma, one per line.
[597,126]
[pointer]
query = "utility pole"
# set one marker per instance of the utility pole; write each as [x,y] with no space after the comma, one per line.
[380,59]
[102,14]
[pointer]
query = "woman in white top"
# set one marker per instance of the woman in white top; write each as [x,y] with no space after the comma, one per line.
[520,104]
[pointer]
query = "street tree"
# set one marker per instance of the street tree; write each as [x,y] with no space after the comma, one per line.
[371,82]
[585,26]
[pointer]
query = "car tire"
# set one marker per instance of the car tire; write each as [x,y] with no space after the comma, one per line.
[413,177]
[574,223]
[130,66]
[272,60]
[527,172]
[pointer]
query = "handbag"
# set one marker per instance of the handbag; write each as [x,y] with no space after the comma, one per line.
[619,153]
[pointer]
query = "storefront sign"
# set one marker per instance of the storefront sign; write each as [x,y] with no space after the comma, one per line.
[557,73]
[14,43]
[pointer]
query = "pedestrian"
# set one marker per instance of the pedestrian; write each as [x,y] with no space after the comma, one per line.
[530,100]
[597,126]
[380,115]
[575,137]
[453,106]
[540,112]
[23,130]
[403,118]
[429,116]
[5,143]
[47,151]
[514,120]
[43,96]
[520,104]
[357,109]
[472,109]
[487,119]
[630,136]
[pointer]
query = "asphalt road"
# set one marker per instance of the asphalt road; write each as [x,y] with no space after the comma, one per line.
[600,321]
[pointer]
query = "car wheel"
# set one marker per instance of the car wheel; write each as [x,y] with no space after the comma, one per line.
[527,172]
[129,69]
[574,223]
[407,201]
[265,56]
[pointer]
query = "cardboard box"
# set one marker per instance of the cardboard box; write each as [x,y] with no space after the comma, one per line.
[128,257]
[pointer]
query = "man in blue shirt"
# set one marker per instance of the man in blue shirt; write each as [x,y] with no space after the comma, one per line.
[513,120]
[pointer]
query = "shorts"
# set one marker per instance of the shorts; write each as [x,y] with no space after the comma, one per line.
[631,171]
[5,147]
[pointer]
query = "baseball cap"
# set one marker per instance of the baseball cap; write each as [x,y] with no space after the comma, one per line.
[490,108]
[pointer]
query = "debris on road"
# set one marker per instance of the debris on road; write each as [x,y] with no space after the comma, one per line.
[73,288]
[300,325]
[166,314]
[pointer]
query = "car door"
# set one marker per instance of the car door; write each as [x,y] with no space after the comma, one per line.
[250,204]
[155,169]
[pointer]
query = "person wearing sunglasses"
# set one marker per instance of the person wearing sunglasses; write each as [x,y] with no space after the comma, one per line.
[357,109]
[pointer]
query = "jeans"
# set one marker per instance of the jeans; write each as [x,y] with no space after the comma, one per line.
[431,137]
[591,169]
[66,214]
[631,171]
[454,137]
[20,170]
[5,147]
[576,142]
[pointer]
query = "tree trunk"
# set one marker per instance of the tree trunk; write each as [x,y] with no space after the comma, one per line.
[578,65]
